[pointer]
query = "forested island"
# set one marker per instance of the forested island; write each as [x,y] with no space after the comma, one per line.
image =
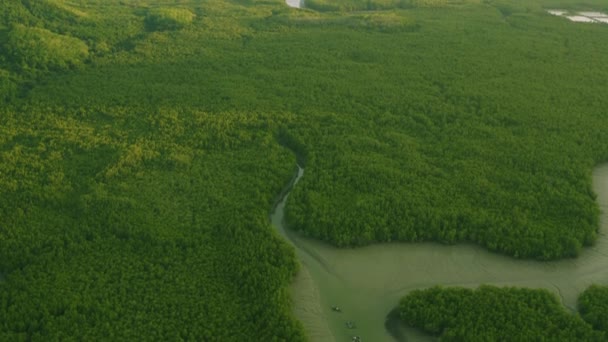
[144,142]
[504,314]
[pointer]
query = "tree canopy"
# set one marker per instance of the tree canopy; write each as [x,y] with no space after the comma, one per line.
[494,314]
[593,305]
[169,18]
[37,48]
[142,145]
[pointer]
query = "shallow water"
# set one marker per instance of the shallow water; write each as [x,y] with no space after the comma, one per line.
[593,14]
[368,282]
[581,17]
[295,3]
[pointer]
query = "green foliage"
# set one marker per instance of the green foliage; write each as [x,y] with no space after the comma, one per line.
[355,5]
[593,306]
[508,8]
[123,226]
[8,87]
[56,10]
[458,149]
[161,19]
[384,22]
[405,142]
[14,12]
[37,48]
[134,190]
[493,314]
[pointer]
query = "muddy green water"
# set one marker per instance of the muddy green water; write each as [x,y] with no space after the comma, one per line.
[368,282]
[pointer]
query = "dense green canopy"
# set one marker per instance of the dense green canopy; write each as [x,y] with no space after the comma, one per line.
[142,145]
[147,227]
[593,305]
[169,18]
[37,48]
[494,314]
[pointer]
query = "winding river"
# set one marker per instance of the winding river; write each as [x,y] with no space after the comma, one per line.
[368,282]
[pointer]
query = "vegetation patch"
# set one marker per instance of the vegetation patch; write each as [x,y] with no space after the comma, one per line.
[135,188]
[162,19]
[593,306]
[494,314]
[38,48]
[110,241]
[8,87]
[67,7]
[387,22]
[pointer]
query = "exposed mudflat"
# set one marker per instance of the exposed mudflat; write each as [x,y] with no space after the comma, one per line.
[307,307]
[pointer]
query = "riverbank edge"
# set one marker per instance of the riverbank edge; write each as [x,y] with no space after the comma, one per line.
[305,295]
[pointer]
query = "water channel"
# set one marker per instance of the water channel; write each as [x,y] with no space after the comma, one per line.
[368,282]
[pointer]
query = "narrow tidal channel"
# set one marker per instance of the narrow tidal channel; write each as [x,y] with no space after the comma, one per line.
[368,282]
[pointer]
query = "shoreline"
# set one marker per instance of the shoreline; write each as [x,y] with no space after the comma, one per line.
[307,307]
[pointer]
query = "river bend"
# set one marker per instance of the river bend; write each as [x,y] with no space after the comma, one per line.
[368,282]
